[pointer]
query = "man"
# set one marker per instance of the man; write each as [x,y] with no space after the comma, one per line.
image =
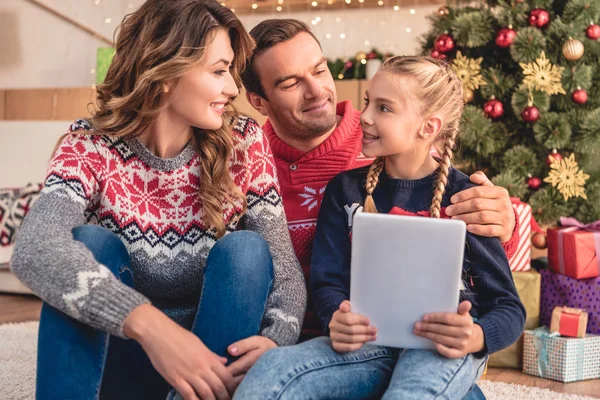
[313,138]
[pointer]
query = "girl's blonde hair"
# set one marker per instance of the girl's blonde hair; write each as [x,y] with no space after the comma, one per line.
[159,43]
[435,89]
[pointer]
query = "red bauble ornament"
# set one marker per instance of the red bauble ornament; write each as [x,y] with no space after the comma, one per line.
[505,37]
[348,64]
[371,56]
[579,96]
[539,18]
[436,54]
[444,43]
[593,32]
[555,155]
[493,108]
[534,183]
[530,114]
[539,241]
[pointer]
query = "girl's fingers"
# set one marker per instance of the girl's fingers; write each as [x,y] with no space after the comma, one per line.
[448,318]
[351,339]
[448,341]
[449,352]
[441,329]
[352,319]
[345,348]
[355,329]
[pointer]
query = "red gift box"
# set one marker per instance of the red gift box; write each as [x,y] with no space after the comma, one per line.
[570,322]
[574,248]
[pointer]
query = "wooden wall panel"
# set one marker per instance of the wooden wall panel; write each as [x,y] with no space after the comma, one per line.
[2,104]
[48,104]
[74,103]
[65,104]
[30,104]
[348,90]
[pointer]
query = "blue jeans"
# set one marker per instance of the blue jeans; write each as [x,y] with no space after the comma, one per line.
[76,361]
[313,370]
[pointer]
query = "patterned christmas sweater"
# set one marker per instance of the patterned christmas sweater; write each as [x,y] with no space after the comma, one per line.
[304,177]
[486,274]
[152,204]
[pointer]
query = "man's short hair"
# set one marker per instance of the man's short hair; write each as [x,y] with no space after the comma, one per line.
[266,35]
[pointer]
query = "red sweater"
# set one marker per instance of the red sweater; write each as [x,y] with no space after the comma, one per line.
[303,178]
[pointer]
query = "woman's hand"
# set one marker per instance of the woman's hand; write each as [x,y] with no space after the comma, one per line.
[179,356]
[249,351]
[454,334]
[349,331]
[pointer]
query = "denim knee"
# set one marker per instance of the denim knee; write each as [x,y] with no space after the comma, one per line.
[244,252]
[107,248]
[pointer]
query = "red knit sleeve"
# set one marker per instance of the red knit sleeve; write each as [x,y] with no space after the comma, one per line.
[510,247]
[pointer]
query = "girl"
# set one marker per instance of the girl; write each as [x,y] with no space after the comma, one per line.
[133,236]
[413,103]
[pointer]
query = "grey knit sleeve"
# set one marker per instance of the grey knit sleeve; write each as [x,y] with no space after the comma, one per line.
[60,270]
[286,303]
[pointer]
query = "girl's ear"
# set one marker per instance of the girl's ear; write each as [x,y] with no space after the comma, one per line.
[431,127]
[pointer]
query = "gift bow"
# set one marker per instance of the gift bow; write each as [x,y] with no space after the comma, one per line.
[571,225]
[574,223]
[540,336]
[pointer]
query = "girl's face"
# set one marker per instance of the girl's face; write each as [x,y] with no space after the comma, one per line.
[200,96]
[390,120]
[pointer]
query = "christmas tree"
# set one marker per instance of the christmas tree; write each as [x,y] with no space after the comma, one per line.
[531,77]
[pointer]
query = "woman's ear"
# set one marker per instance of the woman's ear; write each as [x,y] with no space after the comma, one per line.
[431,127]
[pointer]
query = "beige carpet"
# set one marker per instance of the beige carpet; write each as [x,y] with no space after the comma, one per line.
[17,370]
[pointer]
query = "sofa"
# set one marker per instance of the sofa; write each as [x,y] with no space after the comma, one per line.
[25,148]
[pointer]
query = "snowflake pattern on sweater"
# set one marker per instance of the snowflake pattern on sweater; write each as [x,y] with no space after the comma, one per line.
[152,204]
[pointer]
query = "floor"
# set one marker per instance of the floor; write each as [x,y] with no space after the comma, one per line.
[19,308]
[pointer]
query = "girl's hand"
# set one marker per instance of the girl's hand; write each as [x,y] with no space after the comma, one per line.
[179,356]
[349,331]
[455,334]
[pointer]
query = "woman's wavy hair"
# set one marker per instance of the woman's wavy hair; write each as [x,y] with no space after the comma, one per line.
[159,43]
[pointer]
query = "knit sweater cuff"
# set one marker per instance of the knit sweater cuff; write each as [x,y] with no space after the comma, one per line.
[282,333]
[491,334]
[108,309]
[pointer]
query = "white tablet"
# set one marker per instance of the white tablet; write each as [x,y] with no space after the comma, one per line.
[403,268]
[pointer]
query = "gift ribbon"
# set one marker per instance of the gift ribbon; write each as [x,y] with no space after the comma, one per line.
[571,225]
[541,335]
[580,358]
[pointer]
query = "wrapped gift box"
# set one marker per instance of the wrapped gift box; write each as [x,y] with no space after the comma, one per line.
[528,286]
[560,358]
[561,290]
[521,260]
[571,322]
[574,248]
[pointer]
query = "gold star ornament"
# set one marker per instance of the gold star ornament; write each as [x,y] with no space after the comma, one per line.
[567,178]
[469,71]
[543,76]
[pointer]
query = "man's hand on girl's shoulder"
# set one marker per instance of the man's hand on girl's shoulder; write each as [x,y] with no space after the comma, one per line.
[486,209]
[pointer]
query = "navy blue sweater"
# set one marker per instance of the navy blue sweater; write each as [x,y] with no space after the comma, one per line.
[486,273]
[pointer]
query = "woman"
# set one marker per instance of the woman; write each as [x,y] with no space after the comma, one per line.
[133,236]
